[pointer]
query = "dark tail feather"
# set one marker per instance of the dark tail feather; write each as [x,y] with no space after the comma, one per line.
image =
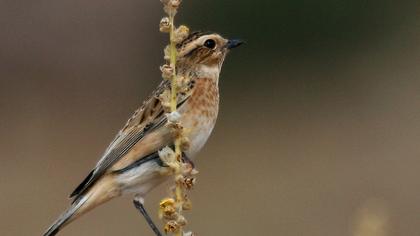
[65,217]
[82,185]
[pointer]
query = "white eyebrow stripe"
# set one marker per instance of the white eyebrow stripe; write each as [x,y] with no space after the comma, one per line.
[195,43]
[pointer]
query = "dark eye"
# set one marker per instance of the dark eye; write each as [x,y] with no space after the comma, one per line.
[210,43]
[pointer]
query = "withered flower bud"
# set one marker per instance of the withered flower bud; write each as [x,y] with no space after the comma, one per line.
[181,220]
[171,226]
[187,204]
[173,117]
[165,98]
[167,71]
[167,208]
[185,143]
[181,33]
[188,182]
[175,3]
[164,25]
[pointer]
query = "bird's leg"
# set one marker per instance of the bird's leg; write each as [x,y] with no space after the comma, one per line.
[187,160]
[139,204]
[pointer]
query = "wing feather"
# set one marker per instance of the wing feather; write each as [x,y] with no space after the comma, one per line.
[149,117]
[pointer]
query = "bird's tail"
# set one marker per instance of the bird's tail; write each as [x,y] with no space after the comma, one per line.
[103,191]
[66,217]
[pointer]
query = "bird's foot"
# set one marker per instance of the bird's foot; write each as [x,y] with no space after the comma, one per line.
[139,204]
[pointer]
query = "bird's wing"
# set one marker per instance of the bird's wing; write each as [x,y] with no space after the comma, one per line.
[149,117]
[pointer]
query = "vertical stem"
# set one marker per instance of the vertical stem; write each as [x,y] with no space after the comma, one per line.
[174,88]
[172,49]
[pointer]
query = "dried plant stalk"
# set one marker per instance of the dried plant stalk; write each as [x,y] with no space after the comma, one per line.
[171,208]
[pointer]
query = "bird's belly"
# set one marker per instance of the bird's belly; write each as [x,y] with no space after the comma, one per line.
[140,180]
[198,137]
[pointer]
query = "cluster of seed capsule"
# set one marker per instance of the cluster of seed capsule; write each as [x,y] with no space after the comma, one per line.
[171,208]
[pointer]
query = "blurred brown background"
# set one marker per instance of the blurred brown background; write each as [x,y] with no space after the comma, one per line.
[318,132]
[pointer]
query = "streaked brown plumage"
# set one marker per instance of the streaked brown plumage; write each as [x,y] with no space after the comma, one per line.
[130,165]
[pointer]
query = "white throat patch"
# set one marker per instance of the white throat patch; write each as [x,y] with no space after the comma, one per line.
[205,71]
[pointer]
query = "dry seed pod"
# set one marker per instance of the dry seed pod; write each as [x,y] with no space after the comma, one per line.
[170,6]
[166,207]
[171,226]
[165,25]
[181,220]
[185,143]
[188,182]
[167,154]
[177,129]
[168,213]
[173,117]
[187,169]
[167,202]
[175,3]
[187,204]
[182,83]
[165,99]
[181,33]
[167,71]
[179,178]
[169,157]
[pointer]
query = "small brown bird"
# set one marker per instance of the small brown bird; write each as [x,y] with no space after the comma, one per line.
[131,163]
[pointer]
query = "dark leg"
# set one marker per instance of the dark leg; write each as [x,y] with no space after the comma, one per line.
[139,205]
[187,160]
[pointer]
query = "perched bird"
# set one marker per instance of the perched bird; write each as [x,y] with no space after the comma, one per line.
[131,163]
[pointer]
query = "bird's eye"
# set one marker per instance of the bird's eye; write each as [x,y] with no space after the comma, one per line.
[210,43]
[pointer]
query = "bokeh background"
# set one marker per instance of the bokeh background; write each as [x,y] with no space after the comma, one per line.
[318,131]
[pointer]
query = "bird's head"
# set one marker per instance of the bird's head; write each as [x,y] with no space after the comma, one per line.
[204,50]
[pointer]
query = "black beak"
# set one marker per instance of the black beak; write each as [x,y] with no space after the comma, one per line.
[233,43]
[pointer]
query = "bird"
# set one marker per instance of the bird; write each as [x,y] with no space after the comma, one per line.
[131,164]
